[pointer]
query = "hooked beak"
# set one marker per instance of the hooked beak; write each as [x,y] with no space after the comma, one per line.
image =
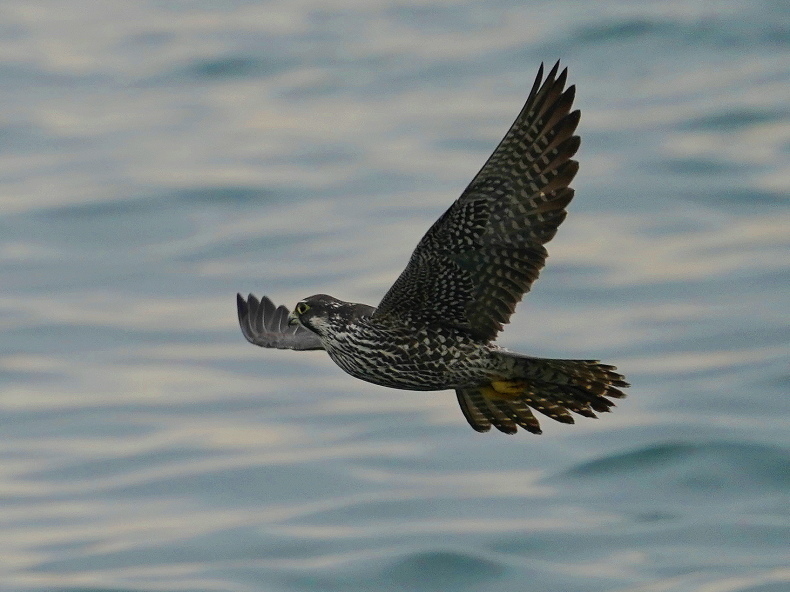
[293,319]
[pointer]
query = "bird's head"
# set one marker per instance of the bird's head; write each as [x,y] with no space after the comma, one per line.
[325,315]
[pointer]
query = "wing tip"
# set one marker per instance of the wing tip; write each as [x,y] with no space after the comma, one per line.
[266,325]
[243,310]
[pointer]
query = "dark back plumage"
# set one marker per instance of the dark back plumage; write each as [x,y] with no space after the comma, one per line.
[476,262]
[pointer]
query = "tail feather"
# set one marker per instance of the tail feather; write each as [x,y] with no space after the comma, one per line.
[520,414]
[482,412]
[475,409]
[555,388]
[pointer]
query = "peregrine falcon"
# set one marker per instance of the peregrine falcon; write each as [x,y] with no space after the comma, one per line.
[435,327]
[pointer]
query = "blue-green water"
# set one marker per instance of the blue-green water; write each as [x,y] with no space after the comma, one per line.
[158,157]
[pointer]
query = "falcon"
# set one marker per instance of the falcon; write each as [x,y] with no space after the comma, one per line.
[435,328]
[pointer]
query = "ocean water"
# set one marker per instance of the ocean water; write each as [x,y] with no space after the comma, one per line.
[158,157]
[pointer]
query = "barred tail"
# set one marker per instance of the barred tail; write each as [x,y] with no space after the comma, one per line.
[552,387]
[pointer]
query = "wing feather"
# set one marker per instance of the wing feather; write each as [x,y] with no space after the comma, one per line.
[266,325]
[483,254]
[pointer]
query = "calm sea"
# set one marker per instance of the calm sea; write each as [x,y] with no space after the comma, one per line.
[158,157]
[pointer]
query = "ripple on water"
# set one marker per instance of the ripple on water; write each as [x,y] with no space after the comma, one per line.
[441,570]
[724,468]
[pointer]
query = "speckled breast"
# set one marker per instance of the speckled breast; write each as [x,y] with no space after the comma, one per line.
[430,358]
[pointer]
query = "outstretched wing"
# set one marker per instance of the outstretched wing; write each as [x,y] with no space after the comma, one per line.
[266,325]
[478,260]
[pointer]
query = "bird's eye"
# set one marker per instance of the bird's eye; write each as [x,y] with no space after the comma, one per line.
[302,308]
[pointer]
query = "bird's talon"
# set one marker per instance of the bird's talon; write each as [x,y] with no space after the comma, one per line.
[509,388]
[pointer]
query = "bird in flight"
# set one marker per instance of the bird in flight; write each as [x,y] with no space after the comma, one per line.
[435,327]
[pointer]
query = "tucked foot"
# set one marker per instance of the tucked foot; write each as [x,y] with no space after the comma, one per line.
[507,389]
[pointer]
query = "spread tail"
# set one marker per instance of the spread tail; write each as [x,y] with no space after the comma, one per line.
[552,387]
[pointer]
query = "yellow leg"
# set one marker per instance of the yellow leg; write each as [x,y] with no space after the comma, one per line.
[509,387]
[504,389]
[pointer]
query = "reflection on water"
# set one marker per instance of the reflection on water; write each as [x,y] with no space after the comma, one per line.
[159,158]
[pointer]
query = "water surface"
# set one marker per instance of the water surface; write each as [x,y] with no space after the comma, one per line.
[157,158]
